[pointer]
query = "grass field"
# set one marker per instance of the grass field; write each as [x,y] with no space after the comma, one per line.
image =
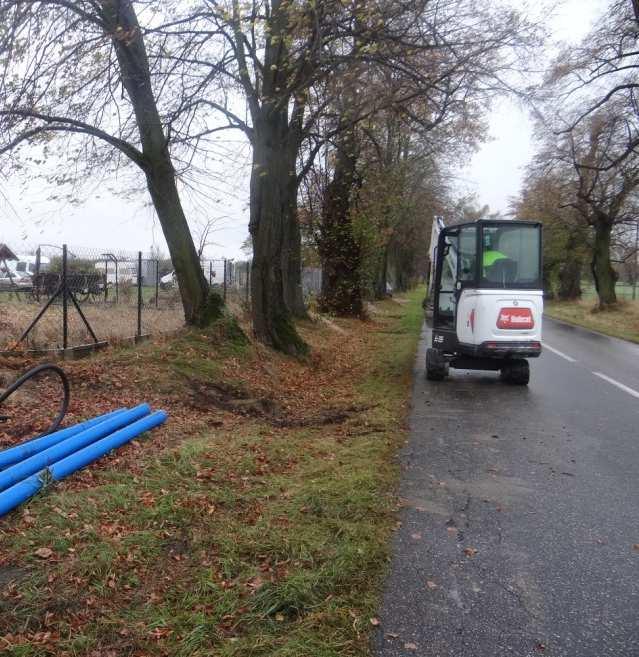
[256,523]
[624,292]
[622,322]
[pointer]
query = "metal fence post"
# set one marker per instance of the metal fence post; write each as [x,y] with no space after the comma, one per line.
[36,278]
[224,281]
[210,272]
[157,283]
[106,279]
[248,282]
[139,333]
[65,300]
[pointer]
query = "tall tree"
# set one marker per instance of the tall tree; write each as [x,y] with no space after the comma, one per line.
[600,72]
[590,122]
[338,246]
[84,68]
[284,57]
[566,240]
[598,185]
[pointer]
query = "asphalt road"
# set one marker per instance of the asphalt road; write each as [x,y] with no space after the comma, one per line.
[521,510]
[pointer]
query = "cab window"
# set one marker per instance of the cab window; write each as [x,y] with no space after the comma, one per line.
[511,256]
[446,291]
[467,261]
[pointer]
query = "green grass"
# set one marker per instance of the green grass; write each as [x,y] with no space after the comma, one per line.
[624,292]
[621,322]
[257,542]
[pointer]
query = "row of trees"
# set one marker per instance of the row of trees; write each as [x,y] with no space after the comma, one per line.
[367,208]
[350,108]
[584,180]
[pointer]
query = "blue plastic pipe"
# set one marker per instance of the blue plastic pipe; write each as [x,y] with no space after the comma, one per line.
[30,447]
[22,491]
[35,463]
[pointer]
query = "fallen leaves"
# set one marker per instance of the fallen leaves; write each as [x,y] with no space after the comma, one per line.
[255,583]
[44,553]
[139,539]
[470,551]
[159,633]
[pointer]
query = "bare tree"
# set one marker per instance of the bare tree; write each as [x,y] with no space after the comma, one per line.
[289,60]
[84,68]
[387,122]
[544,197]
[604,196]
[204,229]
[602,71]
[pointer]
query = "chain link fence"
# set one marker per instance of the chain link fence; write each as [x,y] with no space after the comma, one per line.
[76,297]
[68,297]
[230,278]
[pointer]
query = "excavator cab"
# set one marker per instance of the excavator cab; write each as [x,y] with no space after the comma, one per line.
[487,298]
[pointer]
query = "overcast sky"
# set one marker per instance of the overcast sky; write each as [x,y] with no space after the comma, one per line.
[106,222]
[494,174]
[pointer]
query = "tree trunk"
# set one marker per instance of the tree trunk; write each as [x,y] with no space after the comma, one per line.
[269,228]
[404,270]
[570,269]
[292,260]
[381,277]
[604,275]
[549,292]
[339,250]
[402,282]
[570,280]
[200,308]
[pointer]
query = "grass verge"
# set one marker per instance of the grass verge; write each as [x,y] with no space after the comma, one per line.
[256,523]
[622,322]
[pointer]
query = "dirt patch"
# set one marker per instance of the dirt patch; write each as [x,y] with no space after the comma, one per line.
[239,401]
[229,398]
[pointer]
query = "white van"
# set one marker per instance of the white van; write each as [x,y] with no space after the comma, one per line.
[25,265]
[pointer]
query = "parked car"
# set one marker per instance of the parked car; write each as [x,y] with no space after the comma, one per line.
[168,281]
[26,264]
[15,280]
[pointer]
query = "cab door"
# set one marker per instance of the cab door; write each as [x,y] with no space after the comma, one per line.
[445,301]
[466,284]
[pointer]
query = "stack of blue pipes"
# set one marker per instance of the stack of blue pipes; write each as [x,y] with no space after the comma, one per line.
[26,468]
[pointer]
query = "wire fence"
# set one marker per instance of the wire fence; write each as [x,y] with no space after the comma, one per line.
[62,298]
